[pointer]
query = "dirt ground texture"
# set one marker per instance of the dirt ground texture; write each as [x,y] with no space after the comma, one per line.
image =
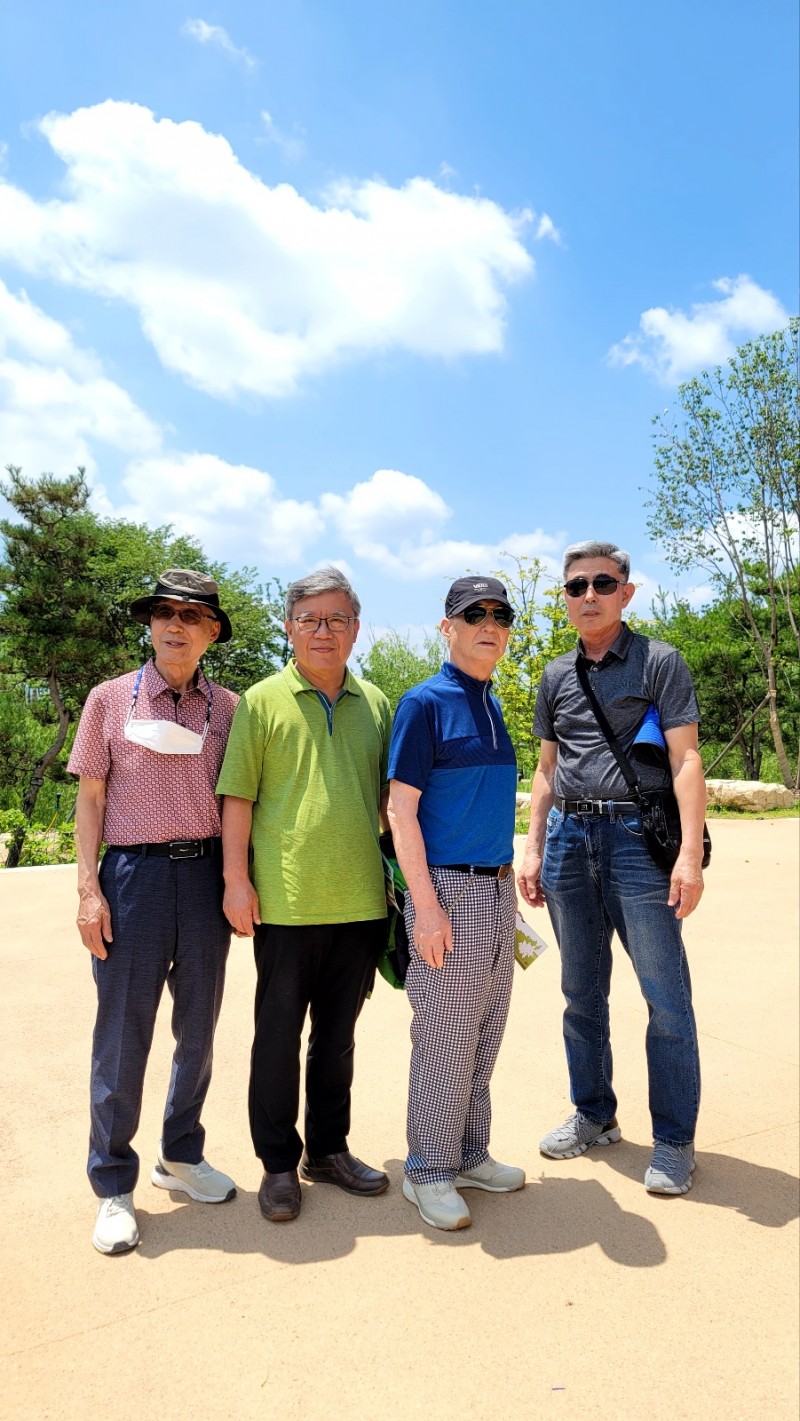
[580,1297]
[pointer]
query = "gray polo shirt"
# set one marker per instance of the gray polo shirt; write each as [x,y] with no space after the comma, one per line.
[635,673]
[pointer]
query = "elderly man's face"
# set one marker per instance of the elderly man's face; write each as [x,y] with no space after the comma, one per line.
[322,652]
[181,632]
[476,649]
[592,614]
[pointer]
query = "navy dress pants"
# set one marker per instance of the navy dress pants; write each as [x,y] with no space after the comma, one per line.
[168,926]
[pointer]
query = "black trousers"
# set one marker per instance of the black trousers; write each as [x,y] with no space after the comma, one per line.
[327,970]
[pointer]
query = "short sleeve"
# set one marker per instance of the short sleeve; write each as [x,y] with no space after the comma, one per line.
[673,693]
[91,756]
[543,726]
[413,744]
[240,775]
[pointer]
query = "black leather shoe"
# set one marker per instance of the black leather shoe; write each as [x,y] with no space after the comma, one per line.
[345,1171]
[279,1196]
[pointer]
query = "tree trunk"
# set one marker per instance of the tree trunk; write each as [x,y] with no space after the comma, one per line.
[39,770]
[775,727]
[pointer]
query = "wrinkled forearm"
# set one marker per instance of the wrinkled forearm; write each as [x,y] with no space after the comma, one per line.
[690,791]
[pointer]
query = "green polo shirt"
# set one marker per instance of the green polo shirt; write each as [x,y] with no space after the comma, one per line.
[314,773]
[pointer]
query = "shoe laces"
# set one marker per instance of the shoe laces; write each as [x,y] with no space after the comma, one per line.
[118,1204]
[669,1157]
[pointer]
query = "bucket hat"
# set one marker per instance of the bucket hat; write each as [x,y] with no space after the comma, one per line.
[183,584]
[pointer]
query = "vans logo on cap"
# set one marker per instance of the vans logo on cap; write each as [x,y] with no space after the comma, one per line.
[479,586]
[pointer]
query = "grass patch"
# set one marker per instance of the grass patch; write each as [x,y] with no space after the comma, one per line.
[731,811]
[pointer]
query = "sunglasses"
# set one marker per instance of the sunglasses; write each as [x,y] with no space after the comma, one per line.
[604,585]
[190,616]
[473,616]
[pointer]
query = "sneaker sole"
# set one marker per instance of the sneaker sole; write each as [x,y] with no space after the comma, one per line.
[163,1180]
[608,1137]
[462,1182]
[115,1247]
[446,1228]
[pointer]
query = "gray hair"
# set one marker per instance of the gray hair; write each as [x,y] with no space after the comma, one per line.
[325,579]
[576,552]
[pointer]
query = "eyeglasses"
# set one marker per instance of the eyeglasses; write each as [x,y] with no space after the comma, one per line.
[604,585]
[473,616]
[190,616]
[336,622]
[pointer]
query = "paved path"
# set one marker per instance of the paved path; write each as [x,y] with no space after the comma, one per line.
[580,1297]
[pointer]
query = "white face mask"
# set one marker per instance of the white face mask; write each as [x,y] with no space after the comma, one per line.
[165,737]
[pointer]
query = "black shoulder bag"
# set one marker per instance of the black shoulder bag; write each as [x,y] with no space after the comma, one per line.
[661,820]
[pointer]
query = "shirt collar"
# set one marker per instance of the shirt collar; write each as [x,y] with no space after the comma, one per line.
[157,686]
[617,652]
[470,683]
[298,683]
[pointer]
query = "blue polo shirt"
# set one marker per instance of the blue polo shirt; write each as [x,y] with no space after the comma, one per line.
[450,742]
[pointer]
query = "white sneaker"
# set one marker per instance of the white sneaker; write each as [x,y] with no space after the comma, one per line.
[438,1204]
[493,1176]
[199,1181]
[115,1229]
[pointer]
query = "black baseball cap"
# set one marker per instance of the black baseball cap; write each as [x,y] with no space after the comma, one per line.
[466,591]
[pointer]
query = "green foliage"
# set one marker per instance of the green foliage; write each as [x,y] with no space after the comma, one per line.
[727,500]
[541,631]
[394,665]
[66,580]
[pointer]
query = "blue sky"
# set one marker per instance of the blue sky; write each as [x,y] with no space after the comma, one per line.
[398,286]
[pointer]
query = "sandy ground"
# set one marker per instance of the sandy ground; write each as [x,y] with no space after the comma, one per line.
[581,1296]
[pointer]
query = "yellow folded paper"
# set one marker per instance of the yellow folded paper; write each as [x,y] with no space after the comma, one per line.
[528,945]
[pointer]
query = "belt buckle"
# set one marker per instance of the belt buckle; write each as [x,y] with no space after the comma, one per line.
[185,849]
[586,806]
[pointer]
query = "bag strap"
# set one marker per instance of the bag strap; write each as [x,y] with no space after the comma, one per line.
[614,746]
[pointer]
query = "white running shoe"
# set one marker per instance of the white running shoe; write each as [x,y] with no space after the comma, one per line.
[576,1135]
[670,1170]
[438,1204]
[115,1229]
[493,1176]
[199,1181]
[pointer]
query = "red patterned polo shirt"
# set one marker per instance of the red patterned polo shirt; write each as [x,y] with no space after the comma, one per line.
[151,798]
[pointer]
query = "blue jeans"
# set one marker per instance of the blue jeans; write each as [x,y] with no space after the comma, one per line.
[599,878]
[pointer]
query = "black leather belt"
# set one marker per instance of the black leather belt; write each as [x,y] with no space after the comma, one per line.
[173,849]
[502,872]
[596,806]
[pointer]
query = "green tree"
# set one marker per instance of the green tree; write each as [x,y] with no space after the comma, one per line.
[541,631]
[66,580]
[727,499]
[394,665]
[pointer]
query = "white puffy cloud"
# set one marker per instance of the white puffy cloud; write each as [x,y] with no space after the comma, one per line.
[56,405]
[233,509]
[246,288]
[396,520]
[673,345]
[219,38]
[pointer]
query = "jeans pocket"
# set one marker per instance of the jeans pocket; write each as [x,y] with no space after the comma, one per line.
[631,823]
[554,820]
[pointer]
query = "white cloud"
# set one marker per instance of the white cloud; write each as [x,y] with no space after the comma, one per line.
[218,37]
[290,146]
[56,406]
[673,345]
[546,229]
[220,503]
[246,288]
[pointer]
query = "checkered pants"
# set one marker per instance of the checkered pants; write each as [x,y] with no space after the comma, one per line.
[460,1012]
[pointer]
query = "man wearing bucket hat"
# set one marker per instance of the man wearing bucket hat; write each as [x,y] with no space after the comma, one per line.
[148,751]
[588,860]
[452,805]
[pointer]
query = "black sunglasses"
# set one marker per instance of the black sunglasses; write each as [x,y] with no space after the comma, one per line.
[604,585]
[473,616]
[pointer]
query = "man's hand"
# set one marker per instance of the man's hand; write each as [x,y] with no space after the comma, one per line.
[240,906]
[685,885]
[433,935]
[529,880]
[94,921]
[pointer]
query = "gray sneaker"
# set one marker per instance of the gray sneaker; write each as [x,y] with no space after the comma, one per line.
[200,1181]
[439,1204]
[670,1169]
[576,1135]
